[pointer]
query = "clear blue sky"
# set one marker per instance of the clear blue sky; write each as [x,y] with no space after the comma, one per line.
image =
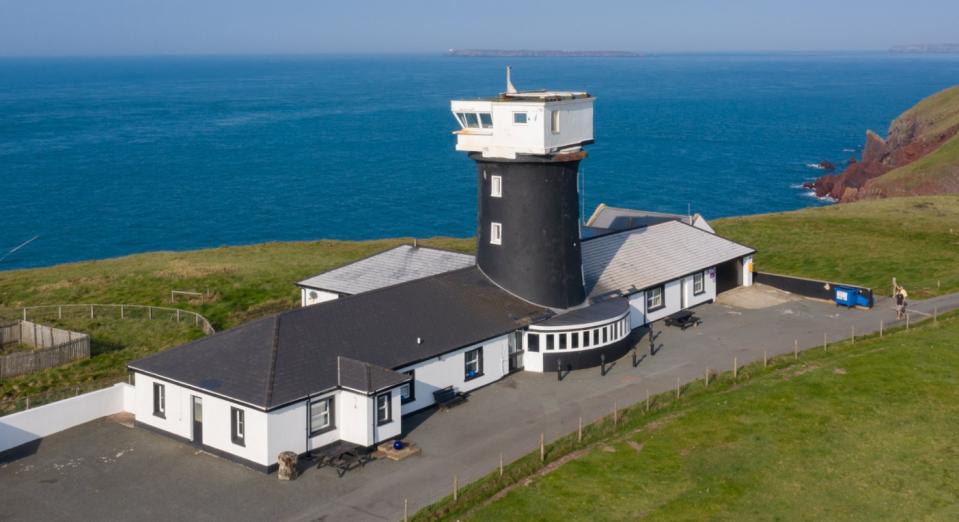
[118,27]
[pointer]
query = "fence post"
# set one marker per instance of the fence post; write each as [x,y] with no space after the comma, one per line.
[765,358]
[406,505]
[28,403]
[907,321]
[91,311]
[542,447]
[795,348]
[853,337]
[59,311]
[121,311]
[735,367]
[880,328]
[677,387]
[500,464]
[178,315]
[24,313]
[579,432]
[647,400]
[615,415]
[825,346]
[455,487]
[706,378]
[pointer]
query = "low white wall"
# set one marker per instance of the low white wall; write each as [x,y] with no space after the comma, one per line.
[26,426]
[449,370]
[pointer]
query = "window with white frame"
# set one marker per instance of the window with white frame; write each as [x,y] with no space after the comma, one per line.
[159,400]
[238,426]
[532,342]
[486,120]
[549,341]
[472,122]
[554,122]
[519,118]
[496,186]
[496,233]
[408,390]
[699,283]
[474,364]
[384,409]
[655,299]
[322,417]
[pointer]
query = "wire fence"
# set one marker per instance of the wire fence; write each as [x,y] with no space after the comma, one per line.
[115,311]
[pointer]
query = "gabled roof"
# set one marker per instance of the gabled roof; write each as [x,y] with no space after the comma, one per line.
[284,358]
[650,256]
[615,218]
[365,377]
[396,265]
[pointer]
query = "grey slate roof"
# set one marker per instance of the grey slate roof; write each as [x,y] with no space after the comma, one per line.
[653,255]
[594,313]
[396,265]
[615,218]
[366,377]
[283,358]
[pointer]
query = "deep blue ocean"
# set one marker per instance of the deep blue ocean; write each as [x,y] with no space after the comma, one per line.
[103,157]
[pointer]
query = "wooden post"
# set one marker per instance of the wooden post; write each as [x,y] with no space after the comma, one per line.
[825,346]
[579,432]
[196,319]
[91,311]
[455,487]
[59,311]
[615,415]
[735,368]
[178,315]
[542,447]
[853,336]
[647,400]
[706,378]
[880,328]
[24,313]
[28,403]
[677,387]
[500,464]
[406,507]
[907,321]
[765,358]
[121,311]
[795,348]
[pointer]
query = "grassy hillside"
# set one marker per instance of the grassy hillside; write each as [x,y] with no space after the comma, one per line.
[862,432]
[865,243]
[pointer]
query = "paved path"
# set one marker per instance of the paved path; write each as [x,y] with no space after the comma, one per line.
[104,471]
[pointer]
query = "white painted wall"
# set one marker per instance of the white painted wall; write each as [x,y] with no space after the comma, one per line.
[449,370]
[575,122]
[709,287]
[216,420]
[748,270]
[533,361]
[395,427]
[637,305]
[29,425]
[355,416]
[286,431]
[309,296]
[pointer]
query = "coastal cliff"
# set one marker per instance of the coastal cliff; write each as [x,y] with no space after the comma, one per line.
[919,156]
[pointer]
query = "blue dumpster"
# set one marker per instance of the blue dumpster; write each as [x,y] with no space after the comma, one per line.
[863,300]
[845,296]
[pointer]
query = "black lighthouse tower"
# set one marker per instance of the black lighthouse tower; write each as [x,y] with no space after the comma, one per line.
[527,147]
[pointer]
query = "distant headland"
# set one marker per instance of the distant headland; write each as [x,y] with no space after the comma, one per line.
[945,48]
[528,53]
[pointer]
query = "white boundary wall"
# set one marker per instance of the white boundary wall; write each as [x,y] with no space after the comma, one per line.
[26,426]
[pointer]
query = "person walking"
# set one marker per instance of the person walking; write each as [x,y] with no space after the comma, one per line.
[900,303]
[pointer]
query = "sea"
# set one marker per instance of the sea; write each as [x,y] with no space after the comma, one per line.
[103,157]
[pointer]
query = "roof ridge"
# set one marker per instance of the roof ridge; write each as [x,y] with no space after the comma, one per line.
[272,375]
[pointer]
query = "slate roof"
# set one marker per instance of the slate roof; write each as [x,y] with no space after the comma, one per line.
[594,313]
[615,218]
[366,377]
[396,265]
[653,255]
[280,359]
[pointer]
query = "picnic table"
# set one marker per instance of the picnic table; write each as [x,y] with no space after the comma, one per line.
[683,319]
[343,456]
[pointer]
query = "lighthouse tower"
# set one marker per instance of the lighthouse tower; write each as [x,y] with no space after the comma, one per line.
[527,146]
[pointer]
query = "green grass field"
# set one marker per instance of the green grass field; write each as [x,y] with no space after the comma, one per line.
[863,432]
[864,243]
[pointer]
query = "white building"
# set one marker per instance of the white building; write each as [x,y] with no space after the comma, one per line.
[381,335]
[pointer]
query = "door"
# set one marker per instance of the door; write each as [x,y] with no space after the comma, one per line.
[515,352]
[197,420]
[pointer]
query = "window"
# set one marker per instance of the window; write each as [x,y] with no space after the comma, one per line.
[472,121]
[238,426]
[549,341]
[554,122]
[519,118]
[574,340]
[496,234]
[562,341]
[474,364]
[486,120]
[699,283]
[496,186]
[384,409]
[159,400]
[532,342]
[654,299]
[408,390]
[596,336]
[322,417]
[587,337]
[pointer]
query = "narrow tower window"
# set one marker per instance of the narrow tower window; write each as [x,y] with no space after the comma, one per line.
[496,234]
[496,186]
[554,122]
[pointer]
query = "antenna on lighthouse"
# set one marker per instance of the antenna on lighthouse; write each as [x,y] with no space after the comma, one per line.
[510,88]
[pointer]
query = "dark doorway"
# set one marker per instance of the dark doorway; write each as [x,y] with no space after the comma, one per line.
[197,420]
[515,352]
[729,275]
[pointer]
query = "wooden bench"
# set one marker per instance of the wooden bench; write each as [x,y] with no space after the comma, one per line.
[447,397]
[683,319]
